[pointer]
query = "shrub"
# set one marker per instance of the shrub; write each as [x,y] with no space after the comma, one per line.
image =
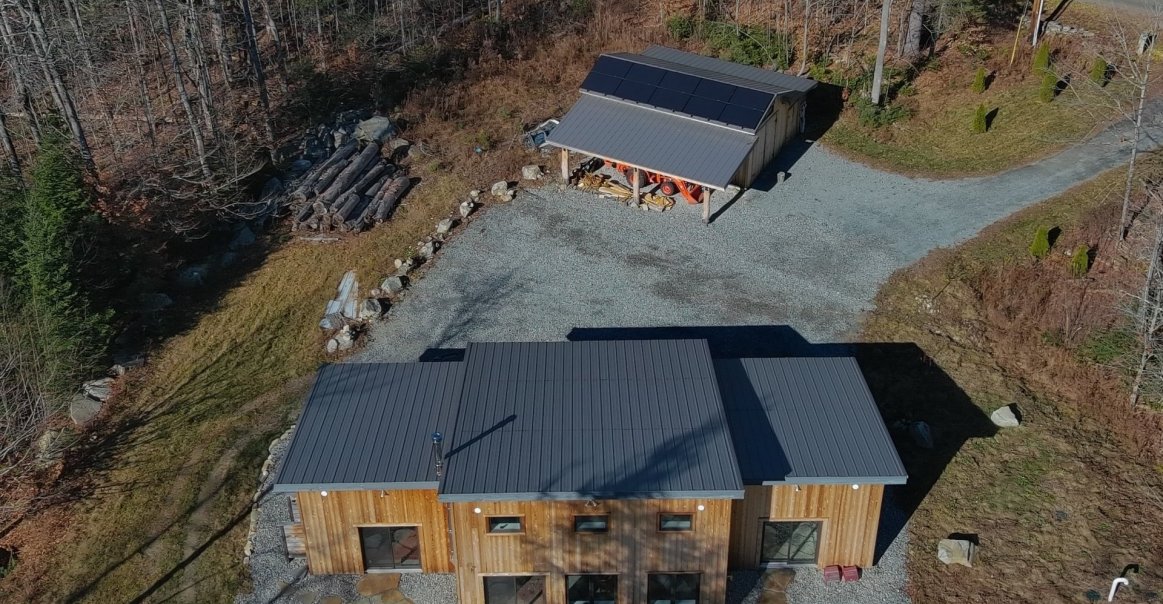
[875,116]
[1042,60]
[1098,71]
[1049,87]
[980,125]
[1105,347]
[680,27]
[749,45]
[1040,246]
[1080,261]
[979,80]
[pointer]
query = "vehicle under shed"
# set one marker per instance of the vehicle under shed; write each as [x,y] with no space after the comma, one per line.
[689,123]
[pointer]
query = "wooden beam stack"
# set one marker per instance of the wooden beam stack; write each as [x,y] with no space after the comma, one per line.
[352,190]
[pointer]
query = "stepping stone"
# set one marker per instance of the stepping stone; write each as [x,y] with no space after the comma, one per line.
[394,597]
[305,596]
[778,579]
[371,585]
[331,600]
[773,597]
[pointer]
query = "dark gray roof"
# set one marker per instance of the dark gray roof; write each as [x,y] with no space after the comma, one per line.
[806,420]
[370,425]
[677,146]
[775,80]
[570,420]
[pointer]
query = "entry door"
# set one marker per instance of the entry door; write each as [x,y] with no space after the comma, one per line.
[790,542]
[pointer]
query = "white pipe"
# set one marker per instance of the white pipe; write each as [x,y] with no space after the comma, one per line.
[1038,22]
[1115,587]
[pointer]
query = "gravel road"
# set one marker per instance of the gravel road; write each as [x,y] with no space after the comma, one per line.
[809,253]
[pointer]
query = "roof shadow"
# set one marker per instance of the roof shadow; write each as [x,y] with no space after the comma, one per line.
[907,385]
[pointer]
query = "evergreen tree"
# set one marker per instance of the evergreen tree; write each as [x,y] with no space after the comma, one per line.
[1080,261]
[1040,246]
[1042,60]
[980,123]
[979,80]
[1049,87]
[11,217]
[1098,71]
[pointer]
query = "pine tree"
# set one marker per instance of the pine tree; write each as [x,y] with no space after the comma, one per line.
[1040,246]
[1042,60]
[1098,71]
[979,80]
[1049,87]
[11,217]
[1080,261]
[980,125]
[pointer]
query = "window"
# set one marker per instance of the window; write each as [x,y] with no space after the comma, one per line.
[591,524]
[672,588]
[675,522]
[790,542]
[515,590]
[390,547]
[505,524]
[591,589]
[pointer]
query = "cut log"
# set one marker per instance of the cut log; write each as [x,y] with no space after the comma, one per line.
[367,216]
[373,175]
[304,213]
[350,174]
[327,178]
[346,209]
[390,196]
[306,188]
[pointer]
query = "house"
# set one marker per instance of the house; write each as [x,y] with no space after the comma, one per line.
[595,471]
[691,119]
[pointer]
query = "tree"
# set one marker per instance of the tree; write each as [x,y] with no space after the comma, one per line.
[979,80]
[980,119]
[882,46]
[912,49]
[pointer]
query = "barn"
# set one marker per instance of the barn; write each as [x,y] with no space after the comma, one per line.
[701,123]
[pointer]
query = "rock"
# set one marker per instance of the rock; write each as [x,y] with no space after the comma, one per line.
[921,434]
[778,579]
[123,362]
[305,596]
[474,194]
[375,584]
[466,208]
[773,597]
[956,551]
[405,267]
[376,129]
[193,276]
[397,144]
[371,308]
[345,338]
[500,189]
[83,409]
[272,188]
[340,138]
[444,226]
[155,302]
[52,444]
[531,172]
[428,250]
[393,285]
[331,600]
[243,237]
[332,346]
[99,390]
[299,167]
[1005,417]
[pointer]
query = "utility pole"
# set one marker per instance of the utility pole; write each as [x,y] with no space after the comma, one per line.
[882,46]
[1037,19]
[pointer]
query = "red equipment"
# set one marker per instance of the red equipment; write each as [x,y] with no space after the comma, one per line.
[668,186]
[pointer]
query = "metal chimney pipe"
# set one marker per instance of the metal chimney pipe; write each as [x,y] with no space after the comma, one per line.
[438,453]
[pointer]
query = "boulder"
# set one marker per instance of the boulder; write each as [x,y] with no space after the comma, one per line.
[531,172]
[243,237]
[956,551]
[376,129]
[345,338]
[393,285]
[340,138]
[399,144]
[193,276]
[500,189]
[371,308]
[1005,417]
[52,444]
[83,409]
[444,226]
[99,390]
[466,208]
[475,194]
[428,250]
[299,167]
[921,434]
[155,302]
[403,267]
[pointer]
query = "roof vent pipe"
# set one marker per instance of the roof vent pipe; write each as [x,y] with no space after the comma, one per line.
[438,453]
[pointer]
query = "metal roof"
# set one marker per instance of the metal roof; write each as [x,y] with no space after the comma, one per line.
[774,79]
[574,420]
[667,143]
[369,426]
[806,420]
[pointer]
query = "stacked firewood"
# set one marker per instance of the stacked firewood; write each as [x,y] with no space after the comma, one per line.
[352,190]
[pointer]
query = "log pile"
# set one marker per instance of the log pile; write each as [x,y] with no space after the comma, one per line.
[352,190]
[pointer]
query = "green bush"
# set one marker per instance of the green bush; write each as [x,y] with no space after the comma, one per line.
[979,80]
[1080,261]
[875,116]
[680,27]
[1049,87]
[980,125]
[748,45]
[12,203]
[1105,347]
[1040,246]
[1042,60]
[1098,71]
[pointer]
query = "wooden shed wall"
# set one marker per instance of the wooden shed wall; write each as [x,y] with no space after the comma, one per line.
[331,526]
[782,126]
[632,548]
[850,520]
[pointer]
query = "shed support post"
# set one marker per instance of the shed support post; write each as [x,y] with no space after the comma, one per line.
[565,165]
[706,205]
[637,198]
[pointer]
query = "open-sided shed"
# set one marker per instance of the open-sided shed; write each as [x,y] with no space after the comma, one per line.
[683,116]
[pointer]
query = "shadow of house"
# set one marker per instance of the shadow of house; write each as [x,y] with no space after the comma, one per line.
[906,384]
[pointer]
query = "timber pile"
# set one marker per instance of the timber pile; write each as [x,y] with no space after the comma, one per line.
[352,190]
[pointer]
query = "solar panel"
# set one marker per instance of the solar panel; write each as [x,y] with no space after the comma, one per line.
[684,93]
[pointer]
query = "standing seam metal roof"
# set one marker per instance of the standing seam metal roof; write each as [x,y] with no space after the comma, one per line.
[774,79]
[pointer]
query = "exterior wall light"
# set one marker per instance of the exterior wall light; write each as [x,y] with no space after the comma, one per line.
[476,510]
[855,487]
[322,493]
[702,507]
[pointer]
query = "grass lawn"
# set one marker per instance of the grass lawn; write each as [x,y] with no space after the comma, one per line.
[938,139]
[1062,504]
[172,485]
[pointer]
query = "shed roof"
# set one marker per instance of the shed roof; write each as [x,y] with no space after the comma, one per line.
[370,425]
[570,420]
[775,80]
[806,420]
[671,144]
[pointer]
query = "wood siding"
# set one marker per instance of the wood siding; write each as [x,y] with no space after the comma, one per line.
[850,520]
[632,548]
[331,527]
[781,126]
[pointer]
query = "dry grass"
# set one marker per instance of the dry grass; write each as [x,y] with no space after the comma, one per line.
[1063,503]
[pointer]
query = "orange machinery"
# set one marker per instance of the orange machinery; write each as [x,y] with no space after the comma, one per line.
[667,185]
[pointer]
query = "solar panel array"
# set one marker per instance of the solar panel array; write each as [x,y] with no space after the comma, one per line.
[679,92]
